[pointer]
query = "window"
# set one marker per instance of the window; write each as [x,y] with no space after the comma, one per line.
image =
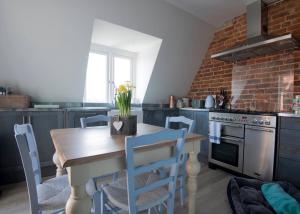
[107,69]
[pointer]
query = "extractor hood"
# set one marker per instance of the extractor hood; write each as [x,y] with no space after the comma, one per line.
[258,41]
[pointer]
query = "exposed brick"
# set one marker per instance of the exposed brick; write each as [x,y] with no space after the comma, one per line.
[258,81]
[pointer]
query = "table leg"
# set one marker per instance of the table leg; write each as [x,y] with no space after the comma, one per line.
[193,168]
[59,170]
[78,202]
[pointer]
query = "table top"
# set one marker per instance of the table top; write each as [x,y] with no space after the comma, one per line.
[76,146]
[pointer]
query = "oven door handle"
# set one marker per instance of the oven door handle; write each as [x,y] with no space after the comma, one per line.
[232,139]
[259,129]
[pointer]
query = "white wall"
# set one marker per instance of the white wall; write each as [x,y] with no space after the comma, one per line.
[44,44]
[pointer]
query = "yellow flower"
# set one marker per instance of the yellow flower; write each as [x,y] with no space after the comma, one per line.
[122,89]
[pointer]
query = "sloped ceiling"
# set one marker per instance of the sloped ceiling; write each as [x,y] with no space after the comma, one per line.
[214,12]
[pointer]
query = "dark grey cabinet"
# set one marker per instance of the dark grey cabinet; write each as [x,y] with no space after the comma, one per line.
[10,162]
[288,150]
[201,125]
[73,117]
[11,169]
[157,116]
[42,122]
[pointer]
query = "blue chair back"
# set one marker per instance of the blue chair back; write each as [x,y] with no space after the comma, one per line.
[94,119]
[172,163]
[30,158]
[181,119]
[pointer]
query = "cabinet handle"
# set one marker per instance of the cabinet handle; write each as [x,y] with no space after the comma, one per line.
[29,119]
[23,119]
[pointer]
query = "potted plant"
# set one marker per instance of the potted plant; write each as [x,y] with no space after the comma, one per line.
[124,123]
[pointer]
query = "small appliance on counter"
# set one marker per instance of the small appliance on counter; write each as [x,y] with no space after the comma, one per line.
[209,102]
[179,103]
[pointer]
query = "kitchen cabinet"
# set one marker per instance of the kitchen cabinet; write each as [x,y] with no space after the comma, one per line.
[201,125]
[11,169]
[73,116]
[288,150]
[10,162]
[157,116]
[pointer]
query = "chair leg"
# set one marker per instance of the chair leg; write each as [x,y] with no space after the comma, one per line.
[181,189]
[97,202]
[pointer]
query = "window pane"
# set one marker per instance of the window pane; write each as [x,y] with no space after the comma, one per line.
[122,70]
[96,78]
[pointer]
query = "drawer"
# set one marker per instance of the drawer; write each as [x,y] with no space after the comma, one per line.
[288,170]
[289,146]
[292,123]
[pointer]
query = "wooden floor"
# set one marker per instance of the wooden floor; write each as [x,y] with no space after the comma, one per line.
[211,197]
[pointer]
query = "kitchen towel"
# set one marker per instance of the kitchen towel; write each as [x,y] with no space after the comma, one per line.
[215,132]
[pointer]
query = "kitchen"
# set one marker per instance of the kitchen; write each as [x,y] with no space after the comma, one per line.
[246,83]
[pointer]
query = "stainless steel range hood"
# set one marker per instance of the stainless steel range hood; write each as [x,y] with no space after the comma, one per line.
[258,41]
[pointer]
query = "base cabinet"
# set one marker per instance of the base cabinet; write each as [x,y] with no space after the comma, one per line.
[11,169]
[289,170]
[288,151]
[157,116]
[201,126]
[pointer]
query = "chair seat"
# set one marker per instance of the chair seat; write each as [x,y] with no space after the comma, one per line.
[117,192]
[54,193]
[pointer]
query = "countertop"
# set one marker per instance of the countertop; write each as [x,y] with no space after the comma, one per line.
[57,109]
[288,114]
[194,109]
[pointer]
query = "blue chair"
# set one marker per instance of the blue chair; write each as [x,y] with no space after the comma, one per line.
[85,121]
[182,169]
[48,196]
[51,195]
[142,189]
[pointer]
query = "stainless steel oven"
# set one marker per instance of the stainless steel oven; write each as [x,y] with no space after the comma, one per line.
[230,152]
[247,143]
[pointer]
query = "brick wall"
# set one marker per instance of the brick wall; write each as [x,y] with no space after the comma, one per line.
[262,83]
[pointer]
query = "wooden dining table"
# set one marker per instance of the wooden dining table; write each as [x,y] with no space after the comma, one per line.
[92,152]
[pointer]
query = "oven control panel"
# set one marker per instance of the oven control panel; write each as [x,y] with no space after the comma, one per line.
[248,119]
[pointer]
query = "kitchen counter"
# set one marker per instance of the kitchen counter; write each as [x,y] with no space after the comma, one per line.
[88,109]
[194,109]
[31,109]
[288,114]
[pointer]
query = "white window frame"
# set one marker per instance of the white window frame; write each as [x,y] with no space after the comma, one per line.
[111,53]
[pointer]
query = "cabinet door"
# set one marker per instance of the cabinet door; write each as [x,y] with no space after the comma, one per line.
[153,117]
[42,122]
[288,170]
[73,118]
[201,127]
[11,169]
[187,114]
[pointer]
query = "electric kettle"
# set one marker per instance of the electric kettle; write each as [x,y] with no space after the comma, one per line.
[209,102]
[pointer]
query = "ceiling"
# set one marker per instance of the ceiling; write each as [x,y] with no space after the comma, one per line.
[108,34]
[213,12]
